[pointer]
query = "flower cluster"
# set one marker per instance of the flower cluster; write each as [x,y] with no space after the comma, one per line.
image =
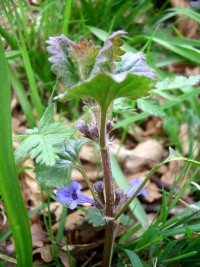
[72,195]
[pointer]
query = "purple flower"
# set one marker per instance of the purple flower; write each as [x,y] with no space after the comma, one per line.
[134,186]
[72,195]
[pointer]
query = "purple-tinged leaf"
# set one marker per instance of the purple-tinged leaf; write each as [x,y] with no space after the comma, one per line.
[136,64]
[109,53]
[72,62]
[62,64]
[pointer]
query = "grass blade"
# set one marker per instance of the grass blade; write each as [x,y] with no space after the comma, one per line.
[21,95]
[34,92]
[66,17]
[133,258]
[10,187]
[184,11]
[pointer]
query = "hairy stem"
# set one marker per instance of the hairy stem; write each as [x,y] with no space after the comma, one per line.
[108,181]
[109,242]
[109,193]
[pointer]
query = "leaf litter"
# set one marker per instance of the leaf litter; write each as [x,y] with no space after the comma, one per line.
[136,157]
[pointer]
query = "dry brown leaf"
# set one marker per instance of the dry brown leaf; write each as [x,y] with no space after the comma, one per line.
[64,258]
[89,153]
[45,253]
[154,127]
[32,188]
[56,209]
[188,27]
[145,152]
[148,153]
[91,172]
[169,177]
[192,71]
[184,139]
[14,102]
[153,192]
[138,131]
[74,220]
[39,236]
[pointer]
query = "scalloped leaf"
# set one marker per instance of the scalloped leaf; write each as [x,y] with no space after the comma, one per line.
[56,176]
[107,87]
[95,217]
[71,149]
[109,53]
[72,62]
[135,63]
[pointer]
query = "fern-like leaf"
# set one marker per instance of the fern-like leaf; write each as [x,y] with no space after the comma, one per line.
[43,143]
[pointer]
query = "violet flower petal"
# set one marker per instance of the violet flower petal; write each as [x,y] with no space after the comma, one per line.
[63,195]
[134,186]
[72,195]
[84,199]
[73,205]
[75,186]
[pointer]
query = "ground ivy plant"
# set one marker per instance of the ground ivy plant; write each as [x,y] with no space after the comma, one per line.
[98,76]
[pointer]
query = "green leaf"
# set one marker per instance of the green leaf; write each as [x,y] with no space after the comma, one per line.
[150,105]
[95,217]
[43,143]
[71,149]
[126,220]
[135,63]
[47,117]
[163,106]
[56,176]
[150,237]
[123,105]
[178,82]
[173,154]
[136,262]
[13,54]
[107,87]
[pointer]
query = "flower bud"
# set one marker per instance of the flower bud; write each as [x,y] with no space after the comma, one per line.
[120,197]
[109,126]
[82,127]
[93,129]
[99,187]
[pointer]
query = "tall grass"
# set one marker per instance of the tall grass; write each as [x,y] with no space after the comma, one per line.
[10,187]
